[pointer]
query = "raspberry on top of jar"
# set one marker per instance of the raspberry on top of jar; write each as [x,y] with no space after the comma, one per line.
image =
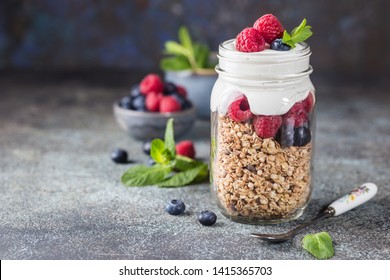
[268,33]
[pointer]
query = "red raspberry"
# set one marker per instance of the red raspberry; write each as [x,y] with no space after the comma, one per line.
[185,148]
[151,83]
[169,104]
[152,101]
[182,91]
[239,110]
[267,126]
[308,102]
[269,27]
[250,40]
[298,113]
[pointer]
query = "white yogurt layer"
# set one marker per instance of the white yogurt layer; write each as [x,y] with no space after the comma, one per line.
[273,81]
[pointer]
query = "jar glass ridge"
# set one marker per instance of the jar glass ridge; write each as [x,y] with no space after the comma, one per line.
[261,159]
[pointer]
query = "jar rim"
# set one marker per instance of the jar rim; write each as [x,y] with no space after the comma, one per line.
[273,79]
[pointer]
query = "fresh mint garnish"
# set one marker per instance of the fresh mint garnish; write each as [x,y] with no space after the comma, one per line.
[186,54]
[159,153]
[169,138]
[183,178]
[170,170]
[299,34]
[141,175]
[319,245]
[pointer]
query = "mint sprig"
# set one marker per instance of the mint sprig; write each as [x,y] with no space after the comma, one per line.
[319,245]
[298,34]
[186,54]
[170,170]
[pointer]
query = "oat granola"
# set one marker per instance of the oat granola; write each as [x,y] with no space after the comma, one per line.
[257,178]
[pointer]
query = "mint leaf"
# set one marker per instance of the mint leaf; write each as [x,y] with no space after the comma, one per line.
[201,53]
[169,138]
[141,175]
[304,34]
[319,245]
[203,174]
[170,170]
[298,28]
[185,38]
[299,34]
[172,47]
[184,163]
[186,54]
[287,39]
[182,178]
[159,153]
[175,63]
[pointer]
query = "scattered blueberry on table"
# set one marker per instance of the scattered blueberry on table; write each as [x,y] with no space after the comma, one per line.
[119,155]
[175,207]
[207,218]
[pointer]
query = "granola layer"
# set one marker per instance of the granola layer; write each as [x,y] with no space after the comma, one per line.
[257,178]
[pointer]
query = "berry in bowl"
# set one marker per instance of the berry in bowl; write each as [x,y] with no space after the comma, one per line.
[145,111]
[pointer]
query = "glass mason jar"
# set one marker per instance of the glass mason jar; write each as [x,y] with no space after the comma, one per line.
[262,134]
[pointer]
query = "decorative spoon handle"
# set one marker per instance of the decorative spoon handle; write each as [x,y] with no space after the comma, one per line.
[356,197]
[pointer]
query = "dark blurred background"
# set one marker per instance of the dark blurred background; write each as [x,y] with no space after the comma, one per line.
[351,37]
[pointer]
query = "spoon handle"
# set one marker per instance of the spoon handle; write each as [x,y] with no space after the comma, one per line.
[354,198]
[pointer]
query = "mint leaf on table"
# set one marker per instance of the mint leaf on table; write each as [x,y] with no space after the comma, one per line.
[183,163]
[319,245]
[299,34]
[141,175]
[159,153]
[169,138]
[170,170]
[182,178]
[202,175]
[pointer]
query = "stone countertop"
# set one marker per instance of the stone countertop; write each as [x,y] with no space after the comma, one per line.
[61,196]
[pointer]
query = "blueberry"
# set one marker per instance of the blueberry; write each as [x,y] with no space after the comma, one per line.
[207,218]
[184,102]
[175,207]
[139,103]
[278,45]
[169,88]
[135,91]
[119,155]
[125,102]
[146,146]
[302,136]
[287,133]
[186,105]
[179,98]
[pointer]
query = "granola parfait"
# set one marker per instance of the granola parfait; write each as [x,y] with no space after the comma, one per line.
[263,122]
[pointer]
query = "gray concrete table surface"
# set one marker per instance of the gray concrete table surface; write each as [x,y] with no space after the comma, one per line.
[61,195]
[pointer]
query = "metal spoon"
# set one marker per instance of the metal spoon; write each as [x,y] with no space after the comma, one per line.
[345,203]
